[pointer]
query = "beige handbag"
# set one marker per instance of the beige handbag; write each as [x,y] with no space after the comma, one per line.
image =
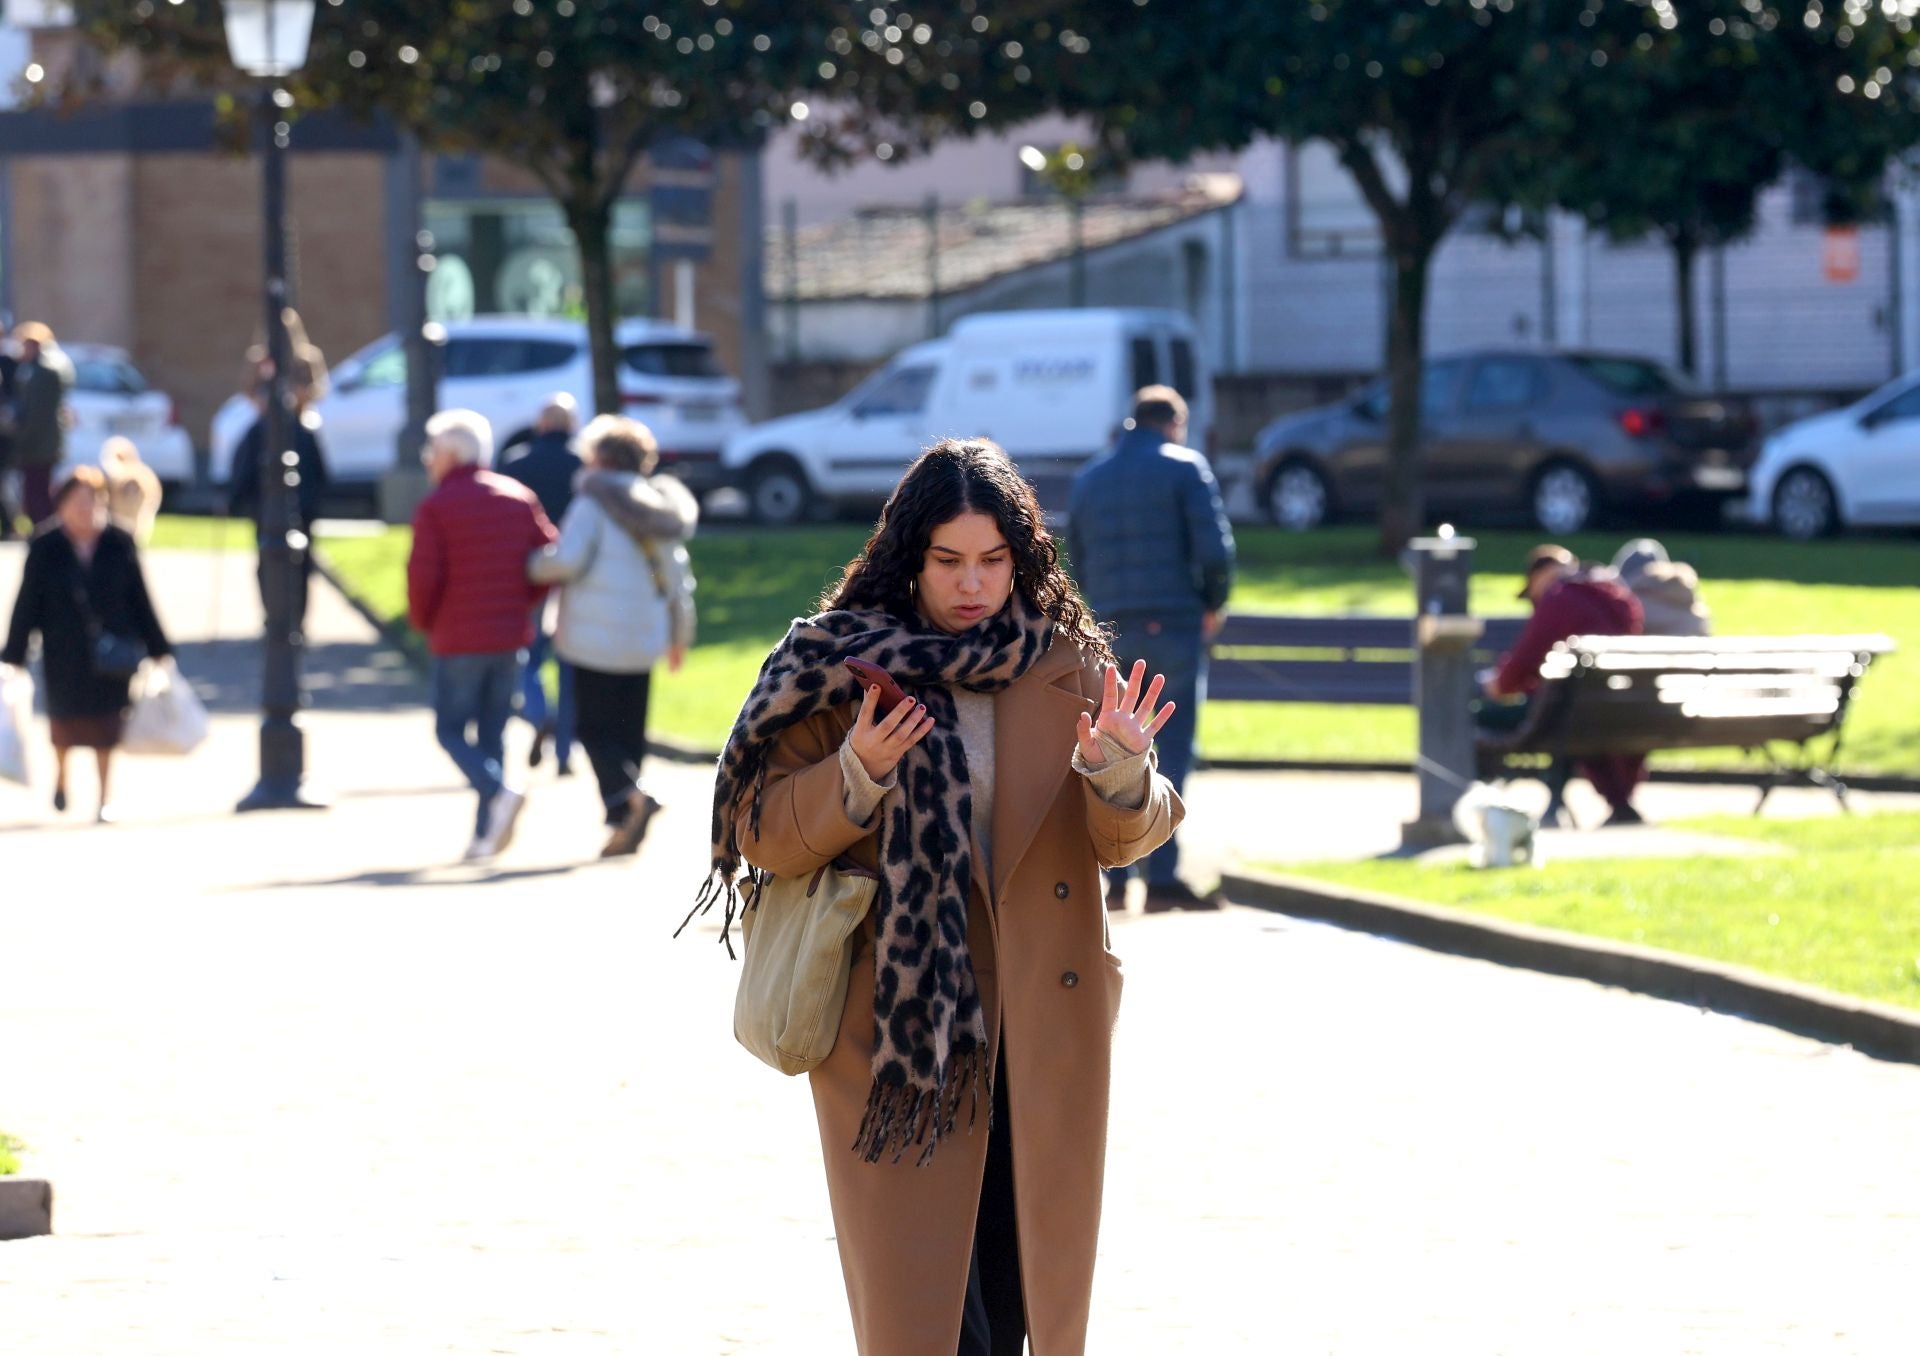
[799,944]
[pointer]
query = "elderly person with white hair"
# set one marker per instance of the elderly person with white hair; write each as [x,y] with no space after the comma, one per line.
[547,465]
[468,593]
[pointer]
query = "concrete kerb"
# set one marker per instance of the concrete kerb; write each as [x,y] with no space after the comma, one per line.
[1876,1029]
[26,1207]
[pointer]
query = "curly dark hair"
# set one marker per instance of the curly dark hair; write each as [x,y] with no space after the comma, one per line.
[956,476]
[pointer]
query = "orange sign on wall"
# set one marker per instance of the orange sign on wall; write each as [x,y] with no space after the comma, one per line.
[1840,256]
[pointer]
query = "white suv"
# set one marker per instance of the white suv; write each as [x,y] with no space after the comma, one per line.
[110,398]
[506,367]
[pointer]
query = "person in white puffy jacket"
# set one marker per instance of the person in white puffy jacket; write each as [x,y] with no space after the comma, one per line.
[626,604]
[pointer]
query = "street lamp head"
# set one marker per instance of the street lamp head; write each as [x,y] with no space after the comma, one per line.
[1033,158]
[268,38]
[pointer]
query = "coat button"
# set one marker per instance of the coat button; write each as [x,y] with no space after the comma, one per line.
[1069,979]
[1060,891]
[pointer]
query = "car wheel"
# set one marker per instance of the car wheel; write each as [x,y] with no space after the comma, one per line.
[778,492]
[1297,497]
[1803,505]
[1564,499]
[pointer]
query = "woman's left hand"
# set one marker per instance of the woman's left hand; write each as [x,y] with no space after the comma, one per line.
[1128,715]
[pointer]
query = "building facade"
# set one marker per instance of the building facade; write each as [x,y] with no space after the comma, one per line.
[137,222]
[1797,310]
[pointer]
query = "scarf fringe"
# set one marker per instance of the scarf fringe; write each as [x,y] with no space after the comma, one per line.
[724,886]
[902,1115]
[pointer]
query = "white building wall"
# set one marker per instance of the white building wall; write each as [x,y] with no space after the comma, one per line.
[1786,326]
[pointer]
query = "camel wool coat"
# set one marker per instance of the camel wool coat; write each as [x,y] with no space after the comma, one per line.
[1050,990]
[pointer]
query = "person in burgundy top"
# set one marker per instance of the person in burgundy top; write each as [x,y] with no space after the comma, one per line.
[468,593]
[1569,601]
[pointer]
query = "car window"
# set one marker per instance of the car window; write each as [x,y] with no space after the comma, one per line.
[1146,362]
[1502,384]
[672,360]
[900,392]
[1632,376]
[1183,376]
[505,357]
[1906,405]
[388,367]
[1440,388]
[109,376]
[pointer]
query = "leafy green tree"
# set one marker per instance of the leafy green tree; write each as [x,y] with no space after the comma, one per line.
[1421,102]
[576,91]
[1714,101]
[1434,105]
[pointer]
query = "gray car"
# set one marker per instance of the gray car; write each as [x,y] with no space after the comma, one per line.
[1561,436]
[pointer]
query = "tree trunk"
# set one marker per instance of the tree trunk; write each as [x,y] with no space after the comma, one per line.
[1685,250]
[592,225]
[1402,501]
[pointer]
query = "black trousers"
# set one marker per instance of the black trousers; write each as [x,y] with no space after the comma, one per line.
[994,1322]
[610,721]
[302,586]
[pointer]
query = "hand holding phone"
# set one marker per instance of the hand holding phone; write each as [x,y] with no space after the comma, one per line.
[888,723]
[872,675]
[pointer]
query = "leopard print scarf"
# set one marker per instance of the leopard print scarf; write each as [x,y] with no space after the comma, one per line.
[930,1036]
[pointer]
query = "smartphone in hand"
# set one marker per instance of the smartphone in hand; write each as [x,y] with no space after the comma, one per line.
[872,675]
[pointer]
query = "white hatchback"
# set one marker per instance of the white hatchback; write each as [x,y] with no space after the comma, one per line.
[111,399]
[1853,467]
[506,367]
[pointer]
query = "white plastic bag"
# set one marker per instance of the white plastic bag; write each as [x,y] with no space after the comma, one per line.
[167,718]
[16,724]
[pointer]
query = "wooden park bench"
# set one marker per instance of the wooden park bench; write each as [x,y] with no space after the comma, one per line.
[1344,661]
[1602,695]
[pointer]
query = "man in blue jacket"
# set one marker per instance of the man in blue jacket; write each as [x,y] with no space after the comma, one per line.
[1153,552]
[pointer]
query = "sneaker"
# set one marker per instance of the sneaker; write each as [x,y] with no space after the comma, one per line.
[628,833]
[479,850]
[1117,897]
[502,816]
[1178,895]
[1623,816]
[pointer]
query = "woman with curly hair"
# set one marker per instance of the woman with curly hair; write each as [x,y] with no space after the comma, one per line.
[963,1110]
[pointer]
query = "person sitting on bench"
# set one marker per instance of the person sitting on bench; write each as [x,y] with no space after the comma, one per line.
[1568,601]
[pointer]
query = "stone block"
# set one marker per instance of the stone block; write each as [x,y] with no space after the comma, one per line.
[26,1207]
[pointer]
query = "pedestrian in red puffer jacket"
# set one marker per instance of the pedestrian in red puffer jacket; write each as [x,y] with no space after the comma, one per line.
[468,593]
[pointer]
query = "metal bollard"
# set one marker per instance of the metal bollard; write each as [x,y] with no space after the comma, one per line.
[1444,636]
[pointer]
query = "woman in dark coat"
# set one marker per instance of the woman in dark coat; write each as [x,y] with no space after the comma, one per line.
[82,581]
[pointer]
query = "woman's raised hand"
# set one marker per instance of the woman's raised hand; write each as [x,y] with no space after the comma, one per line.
[880,742]
[1129,714]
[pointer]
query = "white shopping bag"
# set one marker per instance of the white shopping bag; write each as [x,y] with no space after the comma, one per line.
[16,724]
[167,718]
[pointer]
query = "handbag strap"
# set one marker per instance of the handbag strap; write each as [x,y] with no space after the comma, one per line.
[846,866]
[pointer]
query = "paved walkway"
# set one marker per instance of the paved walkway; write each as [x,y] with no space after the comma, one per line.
[303,1087]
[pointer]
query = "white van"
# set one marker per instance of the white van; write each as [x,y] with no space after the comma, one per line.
[1052,387]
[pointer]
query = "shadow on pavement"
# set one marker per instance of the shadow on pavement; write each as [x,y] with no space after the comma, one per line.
[338,676]
[433,876]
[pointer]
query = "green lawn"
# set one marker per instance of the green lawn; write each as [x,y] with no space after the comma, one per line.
[1838,911]
[9,1155]
[752,583]
[172,532]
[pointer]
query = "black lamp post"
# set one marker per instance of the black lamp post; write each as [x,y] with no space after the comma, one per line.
[268,39]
